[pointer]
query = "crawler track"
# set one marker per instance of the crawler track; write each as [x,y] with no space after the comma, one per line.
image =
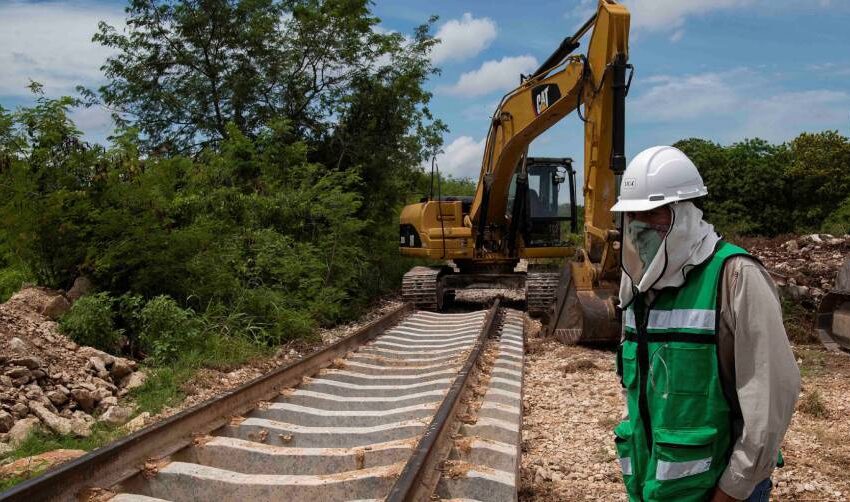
[420,286]
[371,417]
[540,291]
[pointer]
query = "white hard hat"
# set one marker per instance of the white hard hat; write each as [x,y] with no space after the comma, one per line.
[658,176]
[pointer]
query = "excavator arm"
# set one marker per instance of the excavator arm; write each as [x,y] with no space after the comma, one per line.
[563,84]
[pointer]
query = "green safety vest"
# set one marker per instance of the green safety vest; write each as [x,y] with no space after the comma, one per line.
[677,440]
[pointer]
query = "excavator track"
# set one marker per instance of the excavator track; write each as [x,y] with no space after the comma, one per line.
[540,289]
[420,286]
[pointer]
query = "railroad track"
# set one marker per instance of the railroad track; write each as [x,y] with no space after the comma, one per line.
[414,406]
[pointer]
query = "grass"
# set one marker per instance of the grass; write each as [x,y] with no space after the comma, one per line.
[41,440]
[162,388]
[798,323]
[11,279]
[813,404]
[6,483]
[164,385]
[812,361]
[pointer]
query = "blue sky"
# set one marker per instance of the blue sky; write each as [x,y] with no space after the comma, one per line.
[717,69]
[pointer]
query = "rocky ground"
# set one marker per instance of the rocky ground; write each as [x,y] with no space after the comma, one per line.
[804,267]
[49,381]
[572,402]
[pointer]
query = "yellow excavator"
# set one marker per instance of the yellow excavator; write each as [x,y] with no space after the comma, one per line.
[521,207]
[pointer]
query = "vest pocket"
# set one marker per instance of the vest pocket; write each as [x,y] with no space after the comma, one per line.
[684,462]
[625,456]
[687,368]
[628,356]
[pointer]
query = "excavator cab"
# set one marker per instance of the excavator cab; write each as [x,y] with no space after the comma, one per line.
[545,210]
[552,182]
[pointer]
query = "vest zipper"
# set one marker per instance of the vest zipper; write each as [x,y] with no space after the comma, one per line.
[643,366]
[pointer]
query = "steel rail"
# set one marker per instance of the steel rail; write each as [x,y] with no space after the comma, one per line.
[118,461]
[419,477]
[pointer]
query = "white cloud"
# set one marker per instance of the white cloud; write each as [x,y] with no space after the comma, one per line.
[501,75]
[685,97]
[831,69]
[462,158]
[51,43]
[670,15]
[743,101]
[96,118]
[582,11]
[463,38]
[660,15]
[787,114]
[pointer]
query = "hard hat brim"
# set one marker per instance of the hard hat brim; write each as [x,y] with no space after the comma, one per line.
[637,206]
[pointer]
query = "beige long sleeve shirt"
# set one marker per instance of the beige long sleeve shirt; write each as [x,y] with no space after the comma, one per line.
[758,372]
[758,368]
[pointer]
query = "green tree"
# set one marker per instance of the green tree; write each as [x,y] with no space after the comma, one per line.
[838,222]
[747,187]
[820,170]
[186,75]
[183,70]
[49,176]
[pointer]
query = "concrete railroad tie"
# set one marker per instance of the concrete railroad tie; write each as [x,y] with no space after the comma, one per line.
[346,433]
[484,464]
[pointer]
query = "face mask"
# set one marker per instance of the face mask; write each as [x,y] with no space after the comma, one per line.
[647,239]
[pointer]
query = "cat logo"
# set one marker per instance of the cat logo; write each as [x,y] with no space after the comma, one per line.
[544,96]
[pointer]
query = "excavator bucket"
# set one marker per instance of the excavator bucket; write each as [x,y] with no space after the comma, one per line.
[833,317]
[587,317]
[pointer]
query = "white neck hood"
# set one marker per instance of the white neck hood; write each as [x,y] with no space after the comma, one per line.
[689,242]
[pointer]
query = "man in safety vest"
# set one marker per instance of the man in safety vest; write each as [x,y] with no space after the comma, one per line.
[708,374]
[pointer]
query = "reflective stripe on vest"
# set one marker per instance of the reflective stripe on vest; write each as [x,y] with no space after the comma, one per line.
[665,471]
[674,320]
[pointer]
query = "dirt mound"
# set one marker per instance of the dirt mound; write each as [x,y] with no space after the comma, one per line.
[46,376]
[804,267]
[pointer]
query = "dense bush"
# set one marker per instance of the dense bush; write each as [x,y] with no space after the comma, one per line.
[838,222]
[266,203]
[91,322]
[756,188]
[167,330]
[11,280]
